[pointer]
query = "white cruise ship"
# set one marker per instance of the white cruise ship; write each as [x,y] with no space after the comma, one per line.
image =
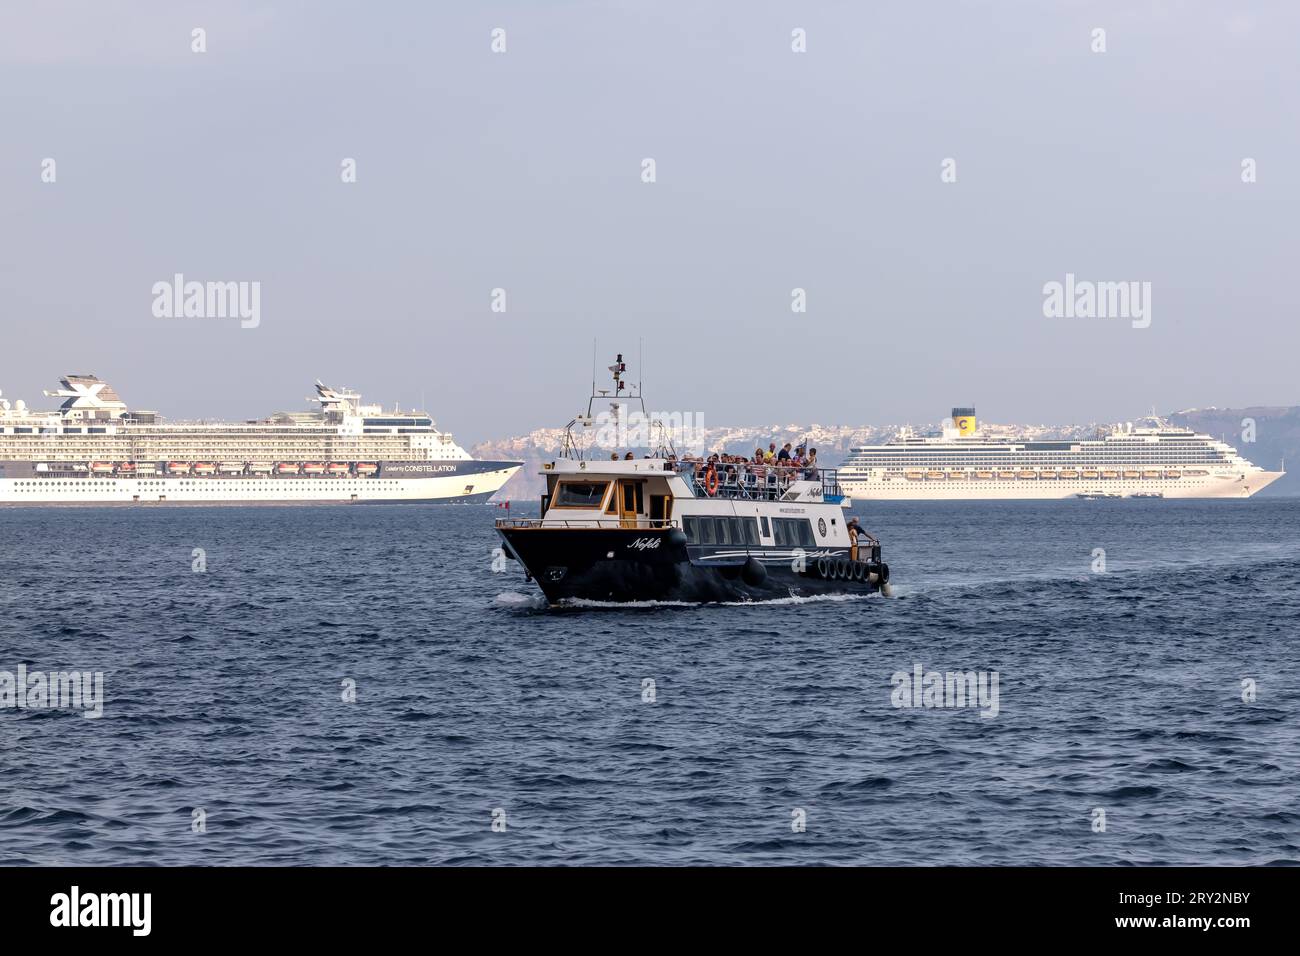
[94,449]
[1150,460]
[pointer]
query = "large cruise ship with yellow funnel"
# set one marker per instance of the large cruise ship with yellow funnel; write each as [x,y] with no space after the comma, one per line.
[1147,459]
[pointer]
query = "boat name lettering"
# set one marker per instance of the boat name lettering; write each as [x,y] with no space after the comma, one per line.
[644,544]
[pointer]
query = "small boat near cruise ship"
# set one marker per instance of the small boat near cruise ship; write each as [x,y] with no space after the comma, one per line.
[665,527]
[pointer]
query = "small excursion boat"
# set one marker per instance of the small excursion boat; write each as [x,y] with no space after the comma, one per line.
[665,527]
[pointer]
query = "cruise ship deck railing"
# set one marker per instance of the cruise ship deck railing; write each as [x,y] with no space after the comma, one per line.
[757,482]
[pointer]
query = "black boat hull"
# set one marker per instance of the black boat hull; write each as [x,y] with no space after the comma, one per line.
[635,564]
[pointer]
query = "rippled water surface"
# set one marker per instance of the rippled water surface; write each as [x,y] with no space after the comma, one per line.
[1119,691]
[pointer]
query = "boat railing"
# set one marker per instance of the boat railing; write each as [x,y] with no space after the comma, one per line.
[755,482]
[626,524]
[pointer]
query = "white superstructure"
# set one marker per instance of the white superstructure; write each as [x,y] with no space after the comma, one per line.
[94,449]
[1149,459]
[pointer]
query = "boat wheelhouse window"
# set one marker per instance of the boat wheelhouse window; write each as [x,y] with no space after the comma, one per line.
[767,530]
[793,532]
[580,494]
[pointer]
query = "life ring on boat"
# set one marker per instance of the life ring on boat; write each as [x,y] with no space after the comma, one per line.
[711,481]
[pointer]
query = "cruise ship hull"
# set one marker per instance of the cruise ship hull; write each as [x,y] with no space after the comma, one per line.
[900,488]
[428,482]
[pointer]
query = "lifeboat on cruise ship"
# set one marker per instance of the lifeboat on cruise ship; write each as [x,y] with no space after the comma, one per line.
[127,468]
[1089,473]
[1027,474]
[1195,473]
[983,475]
[1151,473]
[1049,474]
[338,468]
[956,476]
[1069,474]
[204,468]
[1110,474]
[1173,474]
[914,475]
[1006,474]
[313,468]
[101,467]
[934,475]
[287,468]
[178,467]
[260,467]
[231,468]
[1132,474]
[366,468]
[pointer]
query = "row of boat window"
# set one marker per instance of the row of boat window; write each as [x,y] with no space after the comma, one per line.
[787,532]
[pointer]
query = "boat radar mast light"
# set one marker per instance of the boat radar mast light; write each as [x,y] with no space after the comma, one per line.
[619,409]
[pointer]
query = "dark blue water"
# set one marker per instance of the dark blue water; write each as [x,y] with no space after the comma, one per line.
[1118,690]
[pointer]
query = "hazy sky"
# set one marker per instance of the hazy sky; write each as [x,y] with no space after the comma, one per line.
[775,170]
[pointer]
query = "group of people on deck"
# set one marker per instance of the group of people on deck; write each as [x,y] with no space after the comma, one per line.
[784,465]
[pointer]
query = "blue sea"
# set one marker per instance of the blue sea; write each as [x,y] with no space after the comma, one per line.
[1148,706]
